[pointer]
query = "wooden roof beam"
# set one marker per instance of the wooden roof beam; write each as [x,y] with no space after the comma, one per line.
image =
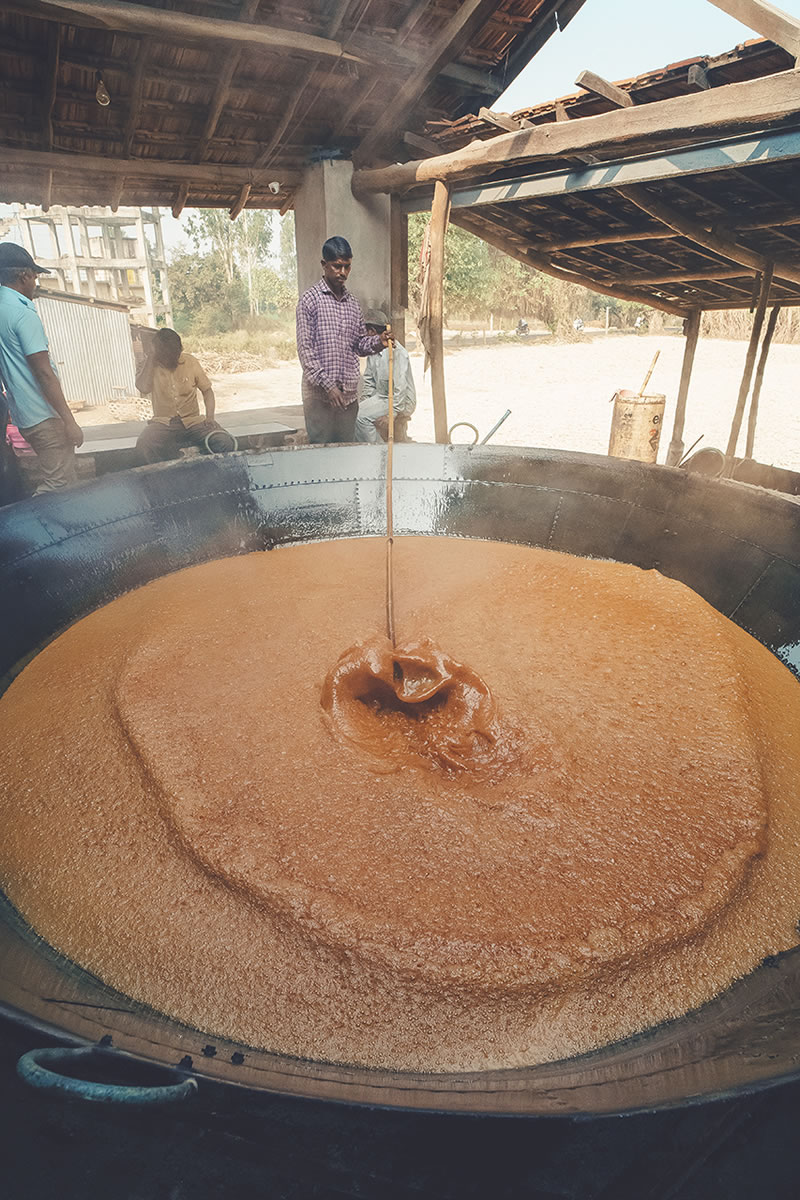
[757,102]
[125,16]
[128,17]
[773,23]
[469,16]
[221,174]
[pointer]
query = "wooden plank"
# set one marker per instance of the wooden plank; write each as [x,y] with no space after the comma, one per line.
[675,451]
[423,144]
[591,82]
[728,107]
[747,374]
[440,213]
[759,379]
[469,16]
[773,23]
[140,18]
[151,168]
[697,77]
[499,120]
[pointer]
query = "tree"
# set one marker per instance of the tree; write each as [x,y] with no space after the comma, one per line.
[288,252]
[197,283]
[240,244]
[252,236]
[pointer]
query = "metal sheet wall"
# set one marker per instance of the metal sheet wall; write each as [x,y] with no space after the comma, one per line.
[91,349]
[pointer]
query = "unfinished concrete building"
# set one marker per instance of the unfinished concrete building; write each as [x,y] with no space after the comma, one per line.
[106,255]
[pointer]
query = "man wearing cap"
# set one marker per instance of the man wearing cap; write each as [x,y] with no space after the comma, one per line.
[331,335]
[36,402]
[374,402]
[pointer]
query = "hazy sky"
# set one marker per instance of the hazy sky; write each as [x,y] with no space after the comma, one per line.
[621,38]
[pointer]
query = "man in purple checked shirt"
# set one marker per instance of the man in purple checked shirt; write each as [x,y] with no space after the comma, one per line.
[331,335]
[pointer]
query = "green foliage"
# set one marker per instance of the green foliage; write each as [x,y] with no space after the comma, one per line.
[480,280]
[226,278]
[271,292]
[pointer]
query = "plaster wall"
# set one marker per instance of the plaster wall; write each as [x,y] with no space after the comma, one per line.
[324,207]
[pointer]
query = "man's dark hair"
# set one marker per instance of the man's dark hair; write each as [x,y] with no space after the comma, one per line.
[9,275]
[169,340]
[336,247]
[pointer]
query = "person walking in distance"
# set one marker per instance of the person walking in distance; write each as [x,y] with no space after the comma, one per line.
[34,395]
[331,336]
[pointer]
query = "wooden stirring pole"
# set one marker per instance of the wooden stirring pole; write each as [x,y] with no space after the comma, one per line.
[649,373]
[389,514]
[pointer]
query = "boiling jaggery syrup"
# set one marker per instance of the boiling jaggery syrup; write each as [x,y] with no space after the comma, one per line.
[563,807]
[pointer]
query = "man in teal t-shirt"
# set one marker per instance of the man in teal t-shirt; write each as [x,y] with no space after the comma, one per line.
[33,394]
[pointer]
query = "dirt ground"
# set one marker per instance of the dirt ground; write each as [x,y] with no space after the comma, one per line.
[559,394]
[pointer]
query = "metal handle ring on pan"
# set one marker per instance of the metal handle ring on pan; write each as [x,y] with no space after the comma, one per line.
[463,425]
[63,1069]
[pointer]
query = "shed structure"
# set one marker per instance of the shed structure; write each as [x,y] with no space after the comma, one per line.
[677,189]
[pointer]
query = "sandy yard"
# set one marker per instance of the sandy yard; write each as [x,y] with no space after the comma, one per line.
[559,394]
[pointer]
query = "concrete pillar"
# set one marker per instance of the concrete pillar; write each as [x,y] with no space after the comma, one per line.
[324,207]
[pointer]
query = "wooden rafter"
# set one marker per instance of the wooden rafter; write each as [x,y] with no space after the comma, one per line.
[129,17]
[770,22]
[221,91]
[268,153]
[751,104]
[710,239]
[143,18]
[591,82]
[179,202]
[472,224]
[469,16]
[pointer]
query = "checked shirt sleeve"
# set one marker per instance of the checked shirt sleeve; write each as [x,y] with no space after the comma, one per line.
[365,343]
[307,344]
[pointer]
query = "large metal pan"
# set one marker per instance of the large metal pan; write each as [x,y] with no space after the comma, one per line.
[738,547]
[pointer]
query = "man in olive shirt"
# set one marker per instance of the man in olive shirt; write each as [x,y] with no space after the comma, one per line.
[172,378]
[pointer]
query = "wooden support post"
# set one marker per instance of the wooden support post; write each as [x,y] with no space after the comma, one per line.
[440,211]
[762,362]
[398,232]
[675,452]
[744,387]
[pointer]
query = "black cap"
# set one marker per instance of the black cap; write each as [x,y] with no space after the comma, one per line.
[12,255]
